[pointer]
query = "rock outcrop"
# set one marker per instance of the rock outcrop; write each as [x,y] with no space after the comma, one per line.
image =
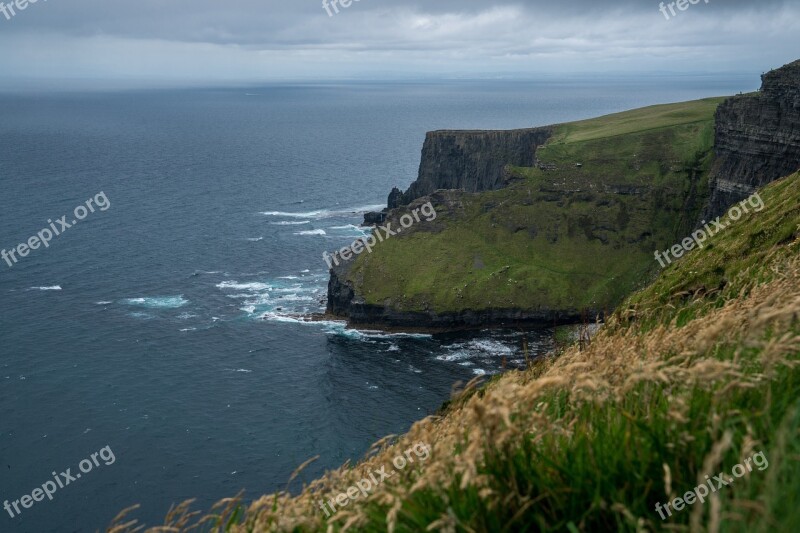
[373,218]
[395,198]
[474,161]
[757,139]
[340,291]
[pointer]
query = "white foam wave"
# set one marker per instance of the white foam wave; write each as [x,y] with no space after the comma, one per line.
[252,286]
[49,288]
[351,230]
[103,303]
[490,347]
[353,227]
[255,239]
[290,223]
[372,334]
[160,302]
[476,349]
[294,298]
[340,328]
[326,213]
[282,317]
[484,350]
[297,288]
[457,356]
[312,232]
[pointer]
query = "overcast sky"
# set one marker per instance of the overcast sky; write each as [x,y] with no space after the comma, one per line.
[224,41]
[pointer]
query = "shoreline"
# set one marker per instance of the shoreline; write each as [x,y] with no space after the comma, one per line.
[478,322]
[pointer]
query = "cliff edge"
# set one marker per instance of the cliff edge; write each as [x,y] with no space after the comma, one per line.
[473,161]
[550,224]
[757,139]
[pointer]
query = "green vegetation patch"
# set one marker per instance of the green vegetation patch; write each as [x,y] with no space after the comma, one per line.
[638,120]
[737,258]
[578,231]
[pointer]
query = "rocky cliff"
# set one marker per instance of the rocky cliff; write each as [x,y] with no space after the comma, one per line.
[474,161]
[757,139]
[567,216]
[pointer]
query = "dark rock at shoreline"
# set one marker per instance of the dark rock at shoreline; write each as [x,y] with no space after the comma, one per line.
[340,291]
[374,218]
[379,317]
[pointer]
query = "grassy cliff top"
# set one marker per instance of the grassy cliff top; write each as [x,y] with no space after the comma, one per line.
[692,376]
[637,121]
[559,237]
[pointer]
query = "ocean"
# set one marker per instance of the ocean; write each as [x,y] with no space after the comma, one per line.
[163,327]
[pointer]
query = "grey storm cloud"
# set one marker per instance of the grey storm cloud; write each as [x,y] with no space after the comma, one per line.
[261,39]
[266,22]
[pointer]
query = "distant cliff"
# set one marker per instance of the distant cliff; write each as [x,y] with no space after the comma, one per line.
[757,139]
[566,235]
[474,161]
[567,217]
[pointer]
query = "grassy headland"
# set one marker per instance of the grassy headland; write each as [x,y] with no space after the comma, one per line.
[560,236]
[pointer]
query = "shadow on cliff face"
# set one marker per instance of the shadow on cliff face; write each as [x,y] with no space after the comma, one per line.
[757,139]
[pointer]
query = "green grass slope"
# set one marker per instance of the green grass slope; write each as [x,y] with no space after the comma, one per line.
[559,237]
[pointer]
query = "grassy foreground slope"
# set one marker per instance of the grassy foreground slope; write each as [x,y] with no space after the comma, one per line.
[559,236]
[690,377]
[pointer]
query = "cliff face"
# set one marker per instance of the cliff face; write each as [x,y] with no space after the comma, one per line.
[341,296]
[473,160]
[575,225]
[757,139]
